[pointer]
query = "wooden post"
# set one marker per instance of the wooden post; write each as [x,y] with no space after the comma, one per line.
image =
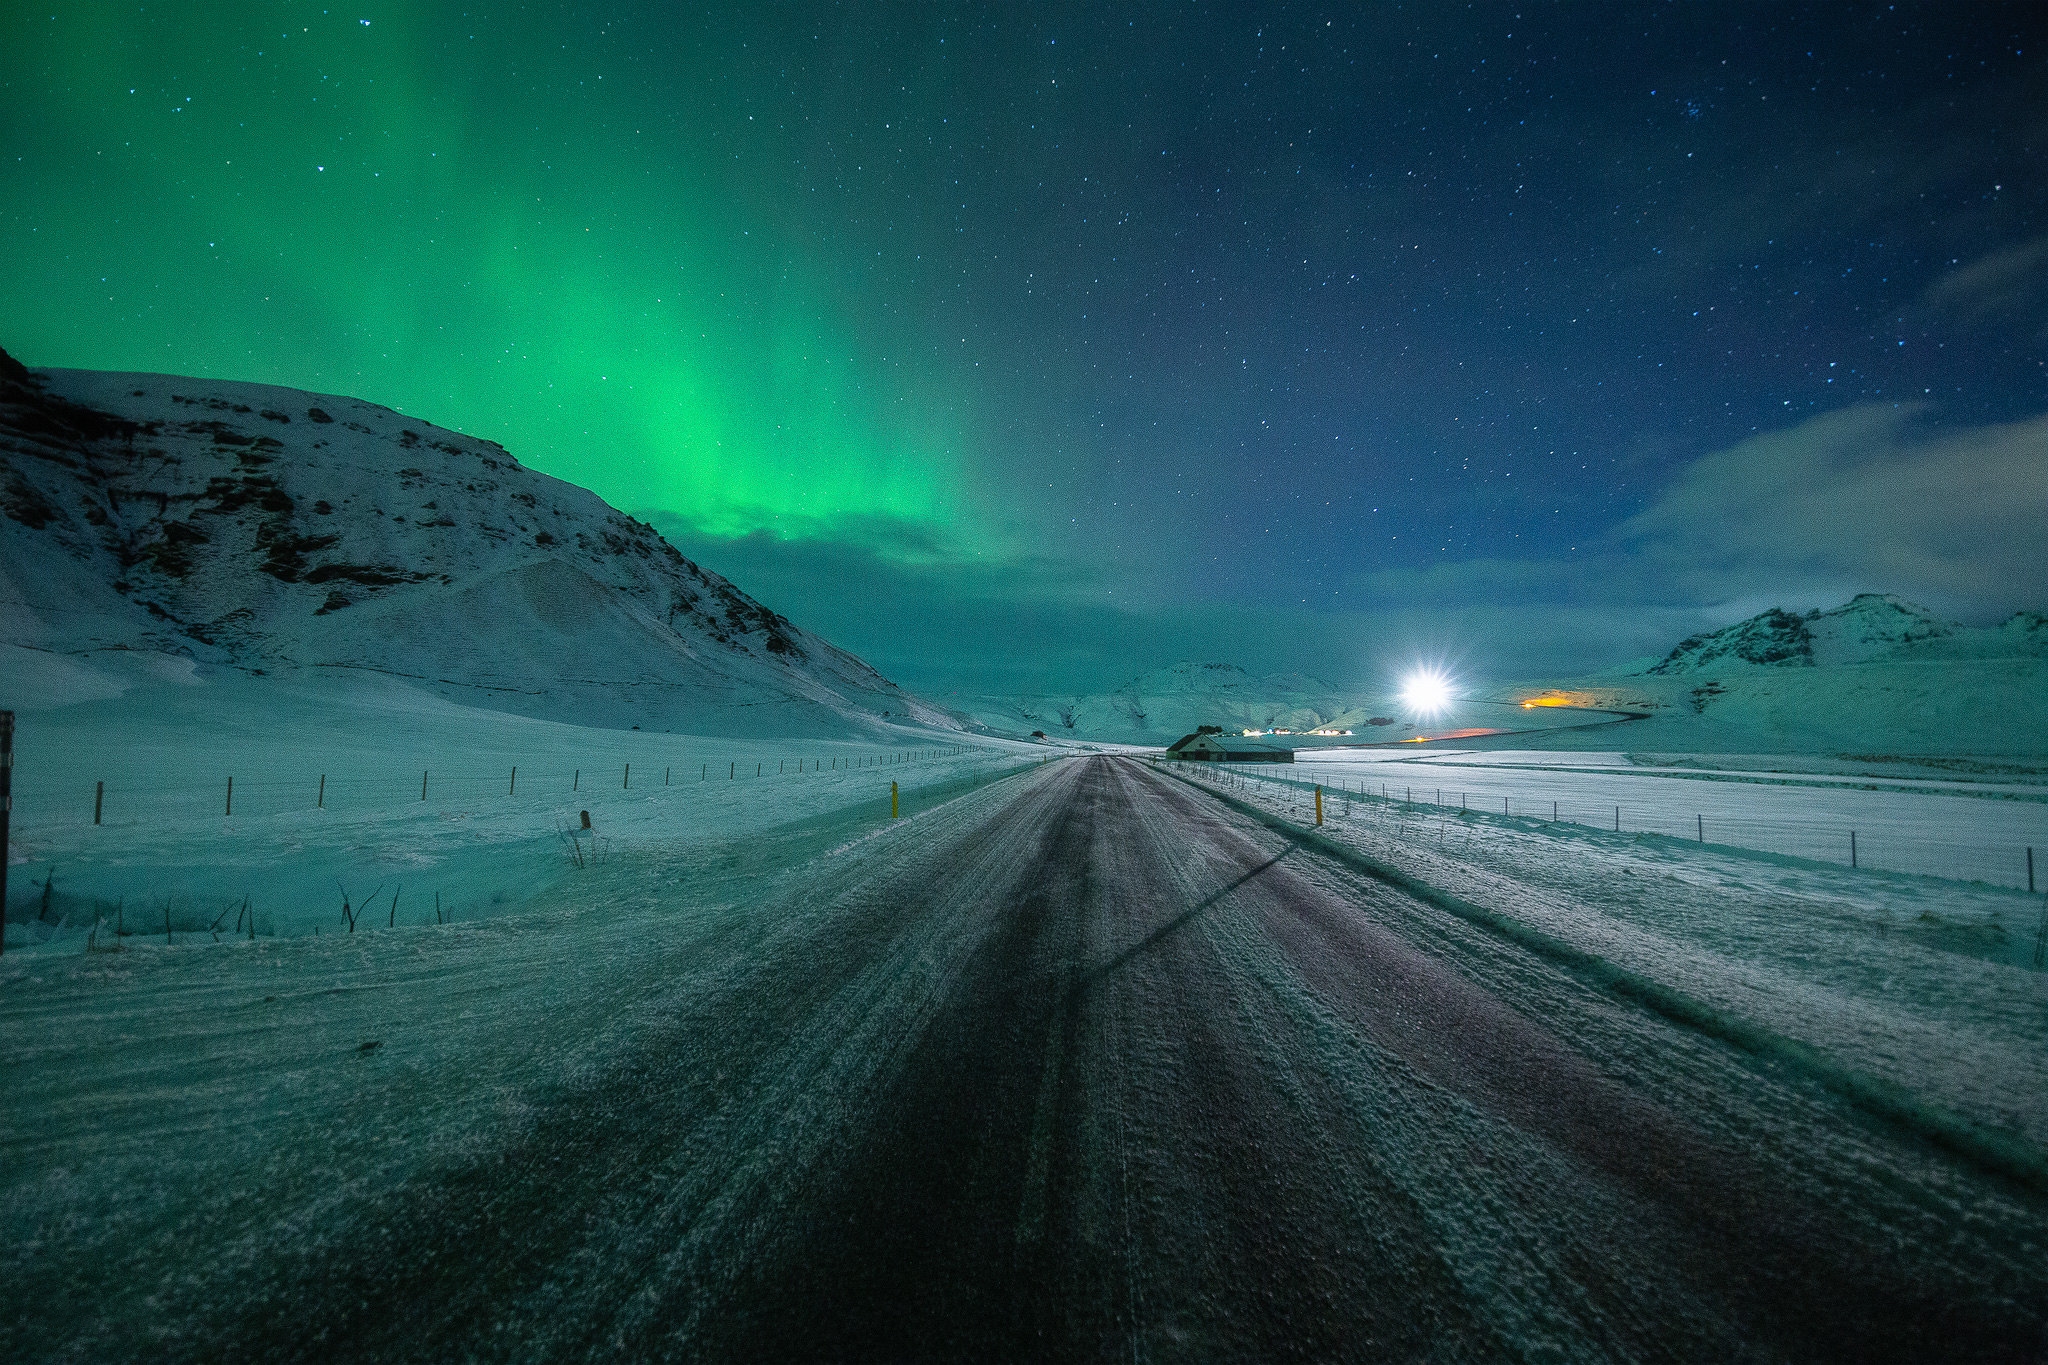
[513,788]
[666,773]
[576,782]
[320,801]
[1617,819]
[2030,870]
[892,800]
[6,813]
[423,784]
[627,784]
[1319,805]
[99,799]
[1852,848]
[1701,822]
[231,799]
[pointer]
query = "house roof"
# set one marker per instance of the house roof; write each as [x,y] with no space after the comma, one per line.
[1228,744]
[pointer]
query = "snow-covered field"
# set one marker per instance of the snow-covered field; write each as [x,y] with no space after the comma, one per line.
[479,839]
[1933,985]
[1959,830]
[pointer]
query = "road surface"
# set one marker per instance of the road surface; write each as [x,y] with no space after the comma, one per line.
[1084,1066]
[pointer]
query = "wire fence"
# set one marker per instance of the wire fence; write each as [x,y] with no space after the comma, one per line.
[131,796]
[1900,833]
[133,859]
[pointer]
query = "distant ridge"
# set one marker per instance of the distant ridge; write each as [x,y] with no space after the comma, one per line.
[1869,628]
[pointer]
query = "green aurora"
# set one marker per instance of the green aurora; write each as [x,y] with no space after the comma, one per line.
[492,225]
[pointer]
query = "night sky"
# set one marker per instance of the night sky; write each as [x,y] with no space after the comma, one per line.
[1036,346]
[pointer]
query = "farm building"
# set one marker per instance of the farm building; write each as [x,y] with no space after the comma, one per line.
[1209,745]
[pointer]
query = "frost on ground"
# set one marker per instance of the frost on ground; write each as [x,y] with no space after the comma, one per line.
[1933,985]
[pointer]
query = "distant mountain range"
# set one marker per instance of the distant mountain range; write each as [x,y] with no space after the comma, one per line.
[269,529]
[1169,702]
[1875,673]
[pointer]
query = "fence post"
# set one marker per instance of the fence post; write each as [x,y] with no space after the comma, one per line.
[576,782]
[99,798]
[1852,848]
[892,800]
[2030,870]
[1701,822]
[512,788]
[1617,819]
[666,773]
[1319,805]
[423,784]
[230,810]
[320,798]
[6,813]
[627,784]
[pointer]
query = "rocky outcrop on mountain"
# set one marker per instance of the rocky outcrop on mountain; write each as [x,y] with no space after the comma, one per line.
[1869,628]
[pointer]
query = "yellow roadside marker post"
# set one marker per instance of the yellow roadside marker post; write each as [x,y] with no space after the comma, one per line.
[892,800]
[1319,805]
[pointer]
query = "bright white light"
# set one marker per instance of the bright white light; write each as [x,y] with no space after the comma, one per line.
[1426,692]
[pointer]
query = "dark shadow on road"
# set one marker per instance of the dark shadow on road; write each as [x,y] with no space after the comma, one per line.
[1094,974]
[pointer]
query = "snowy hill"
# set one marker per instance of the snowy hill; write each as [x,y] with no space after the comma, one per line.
[1874,676]
[1870,628]
[268,529]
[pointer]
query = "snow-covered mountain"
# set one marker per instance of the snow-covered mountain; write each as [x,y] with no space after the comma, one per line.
[1166,703]
[269,529]
[1874,676]
[1869,628]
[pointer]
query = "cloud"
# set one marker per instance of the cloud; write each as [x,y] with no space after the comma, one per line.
[2005,281]
[1867,499]
[1862,499]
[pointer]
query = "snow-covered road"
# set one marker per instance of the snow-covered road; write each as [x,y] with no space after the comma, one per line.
[1080,1064]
